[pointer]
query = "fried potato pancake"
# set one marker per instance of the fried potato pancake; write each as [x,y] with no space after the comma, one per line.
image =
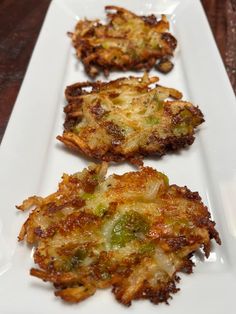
[126,42]
[132,232]
[127,119]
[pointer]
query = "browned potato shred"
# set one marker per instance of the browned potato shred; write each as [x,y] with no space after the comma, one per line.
[126,42]
[132,232]
[127,119]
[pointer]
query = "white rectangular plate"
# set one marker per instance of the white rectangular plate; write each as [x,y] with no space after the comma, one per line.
[32,160]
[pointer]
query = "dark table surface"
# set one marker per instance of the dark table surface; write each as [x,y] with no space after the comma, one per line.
[20,23]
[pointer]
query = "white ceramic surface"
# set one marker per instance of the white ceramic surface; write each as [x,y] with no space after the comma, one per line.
[32,160]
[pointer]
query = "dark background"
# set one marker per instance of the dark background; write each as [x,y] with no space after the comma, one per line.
[20,23]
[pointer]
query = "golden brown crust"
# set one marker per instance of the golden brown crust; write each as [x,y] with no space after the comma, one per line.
[126,119]
[132,232]
[126,42]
